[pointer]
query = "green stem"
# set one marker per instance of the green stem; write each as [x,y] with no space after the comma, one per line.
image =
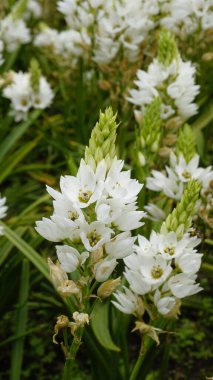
[138,363]
[71,355]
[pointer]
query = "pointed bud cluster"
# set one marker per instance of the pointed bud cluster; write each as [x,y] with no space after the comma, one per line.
[19,9]
[186,143]
[150,127]
[35,74]
[102,140]
[180,218]
[167,48]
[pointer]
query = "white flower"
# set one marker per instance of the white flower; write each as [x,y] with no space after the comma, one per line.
[164,304]
[155,213]
[170,247]
[94,235]
[84,189]
[119,184]
[49,230]
[33,9]
[186,17]
[46,38]
[182,285]
[104,268]
[19,92]
[3,207]
[189,262]
[177,81]
[70,258]
[169,184]
[138,283]
[43,97]
[155,269]
[14,33]
[23,97]
[3,211]
[120,246]
[187,171]
[127,302]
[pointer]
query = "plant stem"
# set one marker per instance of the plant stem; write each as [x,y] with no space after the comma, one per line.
[138,363]
[71,355]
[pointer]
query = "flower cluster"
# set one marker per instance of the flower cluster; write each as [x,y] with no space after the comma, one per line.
[168,78]
[104,28]
[14,33]
[25,96]
[163,269]
[95,211]
[172,182]
[3,210]
[187,17]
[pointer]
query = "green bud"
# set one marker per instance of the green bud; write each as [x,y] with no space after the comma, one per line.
[102,141]
[35,74]
[167,48]
[180,218]
[19,9]
[186,142]
[151,123]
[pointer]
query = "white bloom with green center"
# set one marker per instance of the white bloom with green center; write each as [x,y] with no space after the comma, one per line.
[70,258]
[182,285]
[180,172]
[94,235]
[170,247]
[188,170]
[84,189]
[155,269]
[23,97]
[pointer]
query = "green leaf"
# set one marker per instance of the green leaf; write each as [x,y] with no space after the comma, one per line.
[21,316]
[100,325]
[16,133]
[12,162]
[27,251]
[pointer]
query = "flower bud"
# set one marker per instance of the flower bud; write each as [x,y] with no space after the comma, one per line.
[58,276]
[108,287]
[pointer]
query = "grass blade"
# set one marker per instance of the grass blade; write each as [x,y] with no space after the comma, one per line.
[18,347]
